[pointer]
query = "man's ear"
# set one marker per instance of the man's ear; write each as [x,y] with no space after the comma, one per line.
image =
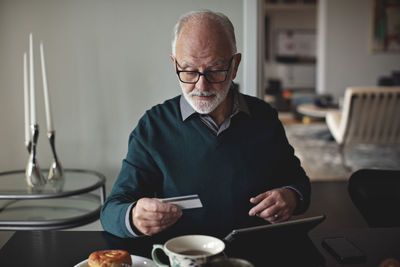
[173,59]
[238,58]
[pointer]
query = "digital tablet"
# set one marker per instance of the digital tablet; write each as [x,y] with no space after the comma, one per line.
[299,226]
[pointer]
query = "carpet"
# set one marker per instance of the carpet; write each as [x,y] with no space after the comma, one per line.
[320,158]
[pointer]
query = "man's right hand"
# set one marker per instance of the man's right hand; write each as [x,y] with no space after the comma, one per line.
[151,216]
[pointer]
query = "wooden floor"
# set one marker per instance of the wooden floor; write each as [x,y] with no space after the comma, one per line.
[332,199]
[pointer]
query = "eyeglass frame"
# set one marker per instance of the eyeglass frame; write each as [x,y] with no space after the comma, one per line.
[203,73]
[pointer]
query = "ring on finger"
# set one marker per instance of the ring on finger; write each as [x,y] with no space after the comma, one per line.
[276,216]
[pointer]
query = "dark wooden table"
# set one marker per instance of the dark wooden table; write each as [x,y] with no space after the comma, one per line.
[67,248]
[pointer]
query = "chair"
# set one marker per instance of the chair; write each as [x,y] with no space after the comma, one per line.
[376,194]
[370,115]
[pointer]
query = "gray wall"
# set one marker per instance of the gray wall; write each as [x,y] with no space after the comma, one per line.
[107,62]
[344,56]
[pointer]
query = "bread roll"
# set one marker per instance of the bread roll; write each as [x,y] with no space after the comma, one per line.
[110,258]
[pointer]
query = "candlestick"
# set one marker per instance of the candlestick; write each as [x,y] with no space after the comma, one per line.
[34,177]
[56,171]
[32,81]
[26,104]
[49,120]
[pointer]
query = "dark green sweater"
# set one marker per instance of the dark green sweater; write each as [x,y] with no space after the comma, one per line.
[168,157]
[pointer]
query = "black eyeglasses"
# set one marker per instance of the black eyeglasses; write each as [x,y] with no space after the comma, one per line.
[212,76]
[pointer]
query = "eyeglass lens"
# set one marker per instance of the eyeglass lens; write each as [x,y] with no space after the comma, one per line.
[211,76]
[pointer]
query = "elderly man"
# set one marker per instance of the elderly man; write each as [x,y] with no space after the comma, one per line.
[213,141]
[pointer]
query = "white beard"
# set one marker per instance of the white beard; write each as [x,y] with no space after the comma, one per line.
[205,106]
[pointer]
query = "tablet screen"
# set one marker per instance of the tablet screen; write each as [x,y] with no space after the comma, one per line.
[280,244]
[300,226]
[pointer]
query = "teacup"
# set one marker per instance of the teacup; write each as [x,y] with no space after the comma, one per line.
[189,250]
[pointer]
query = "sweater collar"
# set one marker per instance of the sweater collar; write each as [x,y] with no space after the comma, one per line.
[239,105]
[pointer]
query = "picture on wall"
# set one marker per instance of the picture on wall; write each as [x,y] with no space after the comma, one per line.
[386,26]
[295,45]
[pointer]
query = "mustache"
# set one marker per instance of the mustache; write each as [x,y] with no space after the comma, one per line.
[202,93]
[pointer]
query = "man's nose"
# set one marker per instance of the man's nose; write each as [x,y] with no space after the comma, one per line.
[202,83]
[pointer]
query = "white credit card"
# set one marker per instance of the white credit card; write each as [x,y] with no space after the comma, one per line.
[185,202]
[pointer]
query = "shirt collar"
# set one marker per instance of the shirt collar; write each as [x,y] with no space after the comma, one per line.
[239,104]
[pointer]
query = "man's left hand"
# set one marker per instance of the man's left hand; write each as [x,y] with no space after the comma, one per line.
[276,205]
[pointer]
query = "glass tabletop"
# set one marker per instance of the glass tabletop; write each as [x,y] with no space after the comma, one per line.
[65,203]
[58,213]
[13,185]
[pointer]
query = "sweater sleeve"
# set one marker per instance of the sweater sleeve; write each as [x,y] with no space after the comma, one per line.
[139,177]
[292,174]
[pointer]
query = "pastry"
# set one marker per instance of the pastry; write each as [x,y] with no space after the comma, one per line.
[110,258]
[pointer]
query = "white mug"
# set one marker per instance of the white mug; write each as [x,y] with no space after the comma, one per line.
[189,250]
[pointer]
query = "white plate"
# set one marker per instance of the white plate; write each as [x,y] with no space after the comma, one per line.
[137,261]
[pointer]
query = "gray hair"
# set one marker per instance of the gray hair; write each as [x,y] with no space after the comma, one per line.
[204,14]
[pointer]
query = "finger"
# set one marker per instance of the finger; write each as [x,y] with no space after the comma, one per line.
[152,209]
[145,204]
[273,197]
[154,205]
[259,197]
[158,220]
[265,204]
[276,215]
[277,209]
[151,230]
[284,203]
[279,218]
[171,211]
[151,222]
[160,207]
[162,216]
[269,214]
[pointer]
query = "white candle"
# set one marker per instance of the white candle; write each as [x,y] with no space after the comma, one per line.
[26,101]
[32,81]
[46,92]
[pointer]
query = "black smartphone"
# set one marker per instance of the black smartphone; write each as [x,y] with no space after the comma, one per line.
[343,250]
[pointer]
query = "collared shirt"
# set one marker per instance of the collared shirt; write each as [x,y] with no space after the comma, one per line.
[239,105]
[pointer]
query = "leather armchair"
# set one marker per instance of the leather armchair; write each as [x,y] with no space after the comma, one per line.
[370,115]
[376,194]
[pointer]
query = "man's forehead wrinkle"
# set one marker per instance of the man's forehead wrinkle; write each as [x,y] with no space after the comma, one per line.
[201,32]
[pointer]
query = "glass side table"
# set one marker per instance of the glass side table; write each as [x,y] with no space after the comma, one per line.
[75,202]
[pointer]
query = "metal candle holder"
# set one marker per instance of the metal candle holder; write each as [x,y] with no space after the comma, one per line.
[34,177]
[56,172]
